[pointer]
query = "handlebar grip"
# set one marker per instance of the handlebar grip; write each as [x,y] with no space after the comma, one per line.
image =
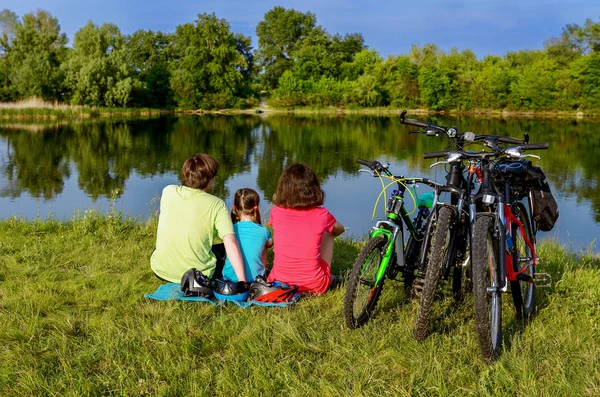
[535,146]
[364,162]
[507,139]
[416,123]
[434,155]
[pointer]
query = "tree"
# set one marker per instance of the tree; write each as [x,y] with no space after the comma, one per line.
[590,81]
[148,55]
[364,62]
[574,41]
[8,27]
[435,87]
[37,50]
[97,72]
[400,81]
[209,64]
[535,86]
[279,37]
[491,86]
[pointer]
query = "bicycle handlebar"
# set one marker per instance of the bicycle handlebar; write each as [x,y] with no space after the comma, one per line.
[374,165]
[454,135]
[471,154]
[434,155]
[377,166]
[502,139]
[535,146]
[420,124]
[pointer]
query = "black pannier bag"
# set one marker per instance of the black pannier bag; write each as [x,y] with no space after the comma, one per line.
[545,208]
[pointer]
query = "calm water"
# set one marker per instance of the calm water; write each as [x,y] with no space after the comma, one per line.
[59,169]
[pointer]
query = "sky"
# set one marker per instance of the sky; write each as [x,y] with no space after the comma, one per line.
[487,27]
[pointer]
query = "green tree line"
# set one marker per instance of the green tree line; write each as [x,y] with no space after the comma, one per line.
[204,65]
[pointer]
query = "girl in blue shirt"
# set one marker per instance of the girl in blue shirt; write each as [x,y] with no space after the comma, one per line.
[253,237]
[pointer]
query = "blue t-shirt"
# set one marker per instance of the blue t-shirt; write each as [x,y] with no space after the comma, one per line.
[252,238]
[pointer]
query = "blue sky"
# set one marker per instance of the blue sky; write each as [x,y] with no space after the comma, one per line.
[390,26]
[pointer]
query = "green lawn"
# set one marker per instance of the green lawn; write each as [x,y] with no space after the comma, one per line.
[73,321]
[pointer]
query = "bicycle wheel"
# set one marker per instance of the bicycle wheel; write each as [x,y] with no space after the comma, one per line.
[523,292]
[435,267]
[361,293]
[488,303]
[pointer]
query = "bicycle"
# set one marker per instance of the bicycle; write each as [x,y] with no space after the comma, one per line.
[385,255]
[448,230]
[500,259]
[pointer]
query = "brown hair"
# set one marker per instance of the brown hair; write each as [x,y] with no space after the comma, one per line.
[199,170]
[245,202]
[298,188]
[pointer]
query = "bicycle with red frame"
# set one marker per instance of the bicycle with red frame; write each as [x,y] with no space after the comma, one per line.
[503,215]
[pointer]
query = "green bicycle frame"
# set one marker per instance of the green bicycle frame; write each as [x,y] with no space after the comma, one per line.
[388,251]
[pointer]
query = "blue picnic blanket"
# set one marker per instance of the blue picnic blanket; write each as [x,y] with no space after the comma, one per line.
[172,291]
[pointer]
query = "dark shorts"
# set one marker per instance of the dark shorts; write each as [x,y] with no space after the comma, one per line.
[219,252]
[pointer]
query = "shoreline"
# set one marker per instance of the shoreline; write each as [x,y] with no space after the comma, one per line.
[41,113]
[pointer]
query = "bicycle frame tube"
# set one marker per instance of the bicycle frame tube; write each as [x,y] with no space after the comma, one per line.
[511,272]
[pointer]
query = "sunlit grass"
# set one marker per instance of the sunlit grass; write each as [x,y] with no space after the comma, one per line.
[73,321]
[40,109]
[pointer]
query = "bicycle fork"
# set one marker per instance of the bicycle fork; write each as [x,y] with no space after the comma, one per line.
[395,237]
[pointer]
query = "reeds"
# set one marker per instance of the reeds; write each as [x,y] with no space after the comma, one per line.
[36,108]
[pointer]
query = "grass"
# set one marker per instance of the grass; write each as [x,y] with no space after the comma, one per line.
[73,321]
[35,108]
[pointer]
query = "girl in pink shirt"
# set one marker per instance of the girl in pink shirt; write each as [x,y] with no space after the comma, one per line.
[303,231]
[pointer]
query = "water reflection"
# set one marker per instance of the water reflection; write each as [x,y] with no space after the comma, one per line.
[60,167]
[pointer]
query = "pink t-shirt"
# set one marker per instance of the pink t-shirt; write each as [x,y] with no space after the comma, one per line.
[297,235]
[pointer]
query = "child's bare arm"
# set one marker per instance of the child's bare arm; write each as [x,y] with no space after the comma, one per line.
[338,229]
[235,256]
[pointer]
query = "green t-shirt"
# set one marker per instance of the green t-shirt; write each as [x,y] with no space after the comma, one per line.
[189,221]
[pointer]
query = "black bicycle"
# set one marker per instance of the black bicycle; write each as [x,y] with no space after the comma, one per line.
[385,254]
[447,237]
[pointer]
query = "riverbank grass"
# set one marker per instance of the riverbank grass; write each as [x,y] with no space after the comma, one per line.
[35,108]
[73,321]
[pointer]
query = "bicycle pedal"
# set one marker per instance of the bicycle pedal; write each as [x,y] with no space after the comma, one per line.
[542,280]
[418,288]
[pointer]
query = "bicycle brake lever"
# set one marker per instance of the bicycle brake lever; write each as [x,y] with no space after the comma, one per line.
[530,155]
[438,163]
[367,172]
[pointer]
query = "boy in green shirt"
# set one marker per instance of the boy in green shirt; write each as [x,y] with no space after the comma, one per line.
[190,218]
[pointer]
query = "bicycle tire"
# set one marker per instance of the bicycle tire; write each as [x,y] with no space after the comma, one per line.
[523,292]
[363,274]
[435,267]
[488,304]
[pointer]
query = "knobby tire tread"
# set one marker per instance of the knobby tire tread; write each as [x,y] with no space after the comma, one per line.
[352,285]
[433,273]
[483,230]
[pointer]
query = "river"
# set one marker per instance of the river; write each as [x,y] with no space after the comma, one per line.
[60,169]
